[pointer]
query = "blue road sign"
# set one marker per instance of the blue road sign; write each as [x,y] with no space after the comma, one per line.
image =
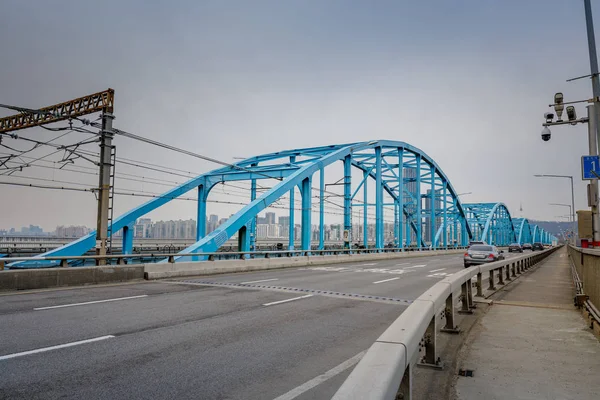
[589,165]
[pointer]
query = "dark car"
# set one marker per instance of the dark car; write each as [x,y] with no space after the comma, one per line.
[527,246]
[537,246]
[481,254]
[516,247]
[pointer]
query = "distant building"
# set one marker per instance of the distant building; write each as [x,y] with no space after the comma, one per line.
[71,231]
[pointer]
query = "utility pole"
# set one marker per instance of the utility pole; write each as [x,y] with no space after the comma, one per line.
[593,186]
[593,126]
[104,185]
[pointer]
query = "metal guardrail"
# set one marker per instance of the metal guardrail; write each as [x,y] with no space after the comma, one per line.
[121,259]
[385,371]
[585,263]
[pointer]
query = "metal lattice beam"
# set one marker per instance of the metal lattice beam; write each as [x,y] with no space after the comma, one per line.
[27,118]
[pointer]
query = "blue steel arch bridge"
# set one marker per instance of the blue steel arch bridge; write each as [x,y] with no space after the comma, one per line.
[427,210]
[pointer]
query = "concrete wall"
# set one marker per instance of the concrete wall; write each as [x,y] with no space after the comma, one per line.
[54,277]
[587,264]
[192,268]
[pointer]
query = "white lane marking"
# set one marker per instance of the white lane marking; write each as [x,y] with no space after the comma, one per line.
[292,394]
[397,265]
[262,280]
[60,346]
[285,301]
[436,270]
[367,265]
[439,275]
[387,280]
[91,302]
[416,266]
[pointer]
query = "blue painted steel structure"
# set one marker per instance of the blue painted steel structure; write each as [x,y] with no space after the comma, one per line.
[427,210]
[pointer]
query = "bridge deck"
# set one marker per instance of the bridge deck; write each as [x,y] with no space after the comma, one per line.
[209,338]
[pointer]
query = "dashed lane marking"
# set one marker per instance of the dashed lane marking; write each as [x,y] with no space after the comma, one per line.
[327,293]
[297,391]
[439,275]
[436,270]
[262,280]
[417,266]
[386,280]
[91,302]
[287,300]
[60,346]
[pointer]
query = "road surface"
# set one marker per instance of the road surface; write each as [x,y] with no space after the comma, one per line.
[280,334]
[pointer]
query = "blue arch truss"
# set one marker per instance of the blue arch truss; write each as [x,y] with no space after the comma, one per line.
[427,210]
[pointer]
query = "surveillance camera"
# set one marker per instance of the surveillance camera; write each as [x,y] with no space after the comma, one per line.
[546,134]
[549,117]
[571,114]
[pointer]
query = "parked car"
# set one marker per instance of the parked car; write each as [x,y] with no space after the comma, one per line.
[537,246]
[481,254]
[527,246]
[516,247]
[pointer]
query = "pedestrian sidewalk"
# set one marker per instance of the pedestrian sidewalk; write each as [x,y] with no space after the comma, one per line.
[532,343]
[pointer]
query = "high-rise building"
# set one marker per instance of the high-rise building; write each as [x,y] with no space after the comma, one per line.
[410,203]
[428,233]
[213,221]
[270,218]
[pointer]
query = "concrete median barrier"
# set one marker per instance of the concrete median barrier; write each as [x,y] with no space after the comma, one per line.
[55,277]
[194,268]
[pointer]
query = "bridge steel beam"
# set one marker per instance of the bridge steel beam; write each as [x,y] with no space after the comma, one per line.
[402,181]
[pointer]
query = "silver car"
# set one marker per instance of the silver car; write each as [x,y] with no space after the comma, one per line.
[481,254]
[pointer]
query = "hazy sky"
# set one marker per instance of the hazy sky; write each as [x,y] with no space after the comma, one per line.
[465,81]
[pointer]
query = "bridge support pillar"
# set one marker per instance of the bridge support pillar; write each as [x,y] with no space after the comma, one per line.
[479,285]
[401,198]
[508,273]
[513,269]
[464,299]
[470,302]
[321,209]
[201,212]
[243,239]
[501,276]
[430,358]
[491,286]
[306,213]
[348,200]
[449,314]
[253,223]
[378,200]
[127,239]
[406,384]
[419,215]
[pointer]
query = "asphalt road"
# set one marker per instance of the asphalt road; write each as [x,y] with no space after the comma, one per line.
[282,334]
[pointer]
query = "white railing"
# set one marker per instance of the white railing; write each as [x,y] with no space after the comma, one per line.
[386,369]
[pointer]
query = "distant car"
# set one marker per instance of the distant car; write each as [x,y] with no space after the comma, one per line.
[516,247]
[537,246]
[481,254]
[472,242]
[527,246]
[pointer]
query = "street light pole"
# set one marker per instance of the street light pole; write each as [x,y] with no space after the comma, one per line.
[564,205]
[572,195]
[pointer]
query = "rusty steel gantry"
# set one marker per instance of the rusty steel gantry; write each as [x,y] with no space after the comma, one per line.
[97,102]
